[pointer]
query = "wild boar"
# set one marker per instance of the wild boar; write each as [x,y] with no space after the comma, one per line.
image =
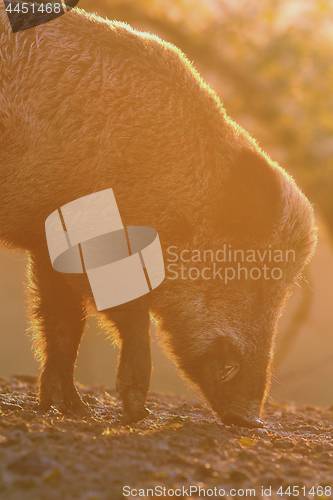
[87,104]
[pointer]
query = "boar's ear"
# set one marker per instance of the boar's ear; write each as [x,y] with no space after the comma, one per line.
[252,197]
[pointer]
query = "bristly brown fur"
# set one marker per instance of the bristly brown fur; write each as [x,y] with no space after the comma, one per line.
[88,104]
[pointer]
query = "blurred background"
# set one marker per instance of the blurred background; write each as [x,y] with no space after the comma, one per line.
[270,61]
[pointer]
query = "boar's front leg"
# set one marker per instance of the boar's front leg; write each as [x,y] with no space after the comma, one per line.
[58,322]
[134,367]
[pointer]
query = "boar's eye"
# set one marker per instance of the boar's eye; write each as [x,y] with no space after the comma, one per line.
[228,372]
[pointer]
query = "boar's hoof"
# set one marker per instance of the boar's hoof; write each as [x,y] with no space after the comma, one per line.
[77,408]
[135,415]
[230,417]
[133,397]
[64,400]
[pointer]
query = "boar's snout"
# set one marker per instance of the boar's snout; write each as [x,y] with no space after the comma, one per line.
[233,417]
[233,382]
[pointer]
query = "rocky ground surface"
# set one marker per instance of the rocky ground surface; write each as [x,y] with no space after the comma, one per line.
[51,456]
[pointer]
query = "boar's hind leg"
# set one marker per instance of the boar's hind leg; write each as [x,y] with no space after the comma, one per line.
[134,368]
[57,317]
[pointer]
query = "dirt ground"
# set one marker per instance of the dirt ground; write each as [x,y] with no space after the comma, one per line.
[51,456]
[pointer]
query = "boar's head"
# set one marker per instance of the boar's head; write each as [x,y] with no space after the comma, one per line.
[222,333]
